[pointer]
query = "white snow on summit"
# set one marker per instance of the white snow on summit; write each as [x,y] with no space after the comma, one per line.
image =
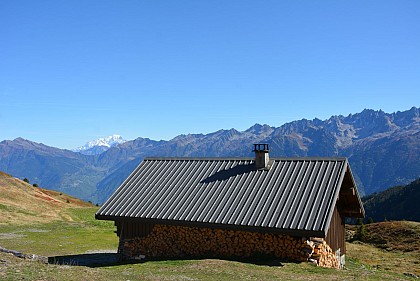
[100,145]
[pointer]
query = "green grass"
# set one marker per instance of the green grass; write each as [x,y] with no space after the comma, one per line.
[85,233]
[87,216]
[61,237]
[12,209]
[190,270]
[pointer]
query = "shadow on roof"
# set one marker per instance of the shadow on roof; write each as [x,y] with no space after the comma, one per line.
[232,172]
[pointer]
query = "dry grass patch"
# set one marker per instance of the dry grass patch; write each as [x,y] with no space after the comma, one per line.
[390,246]
[382,260]
[395,235]
[21,203]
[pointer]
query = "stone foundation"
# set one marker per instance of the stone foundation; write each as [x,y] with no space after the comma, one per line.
[195,242]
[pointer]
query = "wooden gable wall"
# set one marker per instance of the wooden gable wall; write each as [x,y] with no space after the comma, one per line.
[336,236]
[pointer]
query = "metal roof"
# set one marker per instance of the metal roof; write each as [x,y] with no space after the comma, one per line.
[296,195]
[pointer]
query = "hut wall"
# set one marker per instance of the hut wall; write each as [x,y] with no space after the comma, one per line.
[167,241]
[129,230]
[336,236]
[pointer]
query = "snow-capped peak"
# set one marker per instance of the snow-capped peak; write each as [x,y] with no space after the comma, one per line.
[100,145]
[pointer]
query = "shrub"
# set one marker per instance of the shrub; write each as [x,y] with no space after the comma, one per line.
[35,185]
[361,233]
[26,180]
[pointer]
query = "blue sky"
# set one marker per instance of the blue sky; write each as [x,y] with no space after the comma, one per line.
[73,71]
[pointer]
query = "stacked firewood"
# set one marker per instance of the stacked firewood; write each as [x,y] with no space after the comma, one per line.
[192,242]
[323,255]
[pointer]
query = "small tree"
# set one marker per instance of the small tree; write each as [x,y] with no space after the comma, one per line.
[35,185]
[26,180]
[361,233]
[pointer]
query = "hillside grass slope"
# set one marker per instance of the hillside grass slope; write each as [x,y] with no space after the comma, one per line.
[22,203]
[388,246]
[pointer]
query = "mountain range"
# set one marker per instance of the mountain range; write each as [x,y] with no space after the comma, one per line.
[383,151]
[100,145]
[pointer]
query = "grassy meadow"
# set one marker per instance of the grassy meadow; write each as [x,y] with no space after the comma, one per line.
[80,237]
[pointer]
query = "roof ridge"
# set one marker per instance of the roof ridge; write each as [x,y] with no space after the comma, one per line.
[324,158]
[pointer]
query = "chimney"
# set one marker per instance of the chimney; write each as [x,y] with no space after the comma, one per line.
[261,156]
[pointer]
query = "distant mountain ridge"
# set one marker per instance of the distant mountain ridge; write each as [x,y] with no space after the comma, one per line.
[396,203]
[100,145]
[383,151]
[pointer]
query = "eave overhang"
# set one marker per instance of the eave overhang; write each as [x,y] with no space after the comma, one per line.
[291,232]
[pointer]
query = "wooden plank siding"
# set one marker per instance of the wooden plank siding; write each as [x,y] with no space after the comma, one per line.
[130,229]
[336,236]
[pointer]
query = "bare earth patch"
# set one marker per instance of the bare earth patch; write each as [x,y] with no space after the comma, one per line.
[11,235]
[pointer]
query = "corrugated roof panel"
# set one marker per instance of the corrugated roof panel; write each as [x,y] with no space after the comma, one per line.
[222,212]
[276,187]
[222,196]
[317,193]
[126,193]
[206,191]
[241,206]
[294,194]
[233,210]
[176,192]
[184,175]
[193,177]
[333,193]
[193,198]
[319,206]
[215,189]
[145,188]
[306,198]
[282,197]
[267,197]
[290,207]
[298,202]
[258,200]
[217,197]
[147,191]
